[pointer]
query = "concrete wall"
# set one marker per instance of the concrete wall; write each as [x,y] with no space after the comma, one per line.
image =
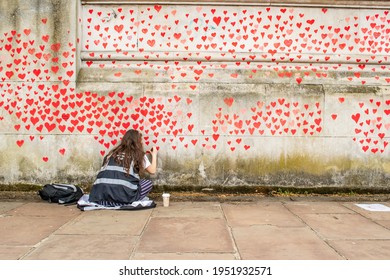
[232,95]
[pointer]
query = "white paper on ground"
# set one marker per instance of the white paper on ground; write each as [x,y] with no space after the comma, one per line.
[374,207]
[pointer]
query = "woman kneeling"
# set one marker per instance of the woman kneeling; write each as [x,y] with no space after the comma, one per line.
[118,182]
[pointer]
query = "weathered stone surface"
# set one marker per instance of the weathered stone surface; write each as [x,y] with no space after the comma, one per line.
[8,206]
[28,230]
[84,247]
[45,209]
[183,256]
[266,242]
[208,210]
[13,252]
[229,103]
[342,226]
[317,207]
[362,249]
[242,215]
[174,235]
[201,230]
[108,222]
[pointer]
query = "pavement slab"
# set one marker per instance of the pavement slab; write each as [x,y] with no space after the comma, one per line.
[190,209]
[373,215]
[385,224]
[28,230]
[108,222]
[266,229]
[84,247]
[7,206]
[22,225]
[13,252]
[242,215]
[265,242]
[186,235]
[362,249]
[379,217]
[183,256]
[45,209]
[317,207]
[345,226]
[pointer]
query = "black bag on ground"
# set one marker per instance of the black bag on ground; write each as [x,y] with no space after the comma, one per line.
[61,193]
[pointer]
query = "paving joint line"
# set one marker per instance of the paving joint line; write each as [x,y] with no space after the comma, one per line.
[236,253]
[314,231]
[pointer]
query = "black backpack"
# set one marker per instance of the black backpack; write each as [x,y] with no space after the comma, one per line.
[61,193]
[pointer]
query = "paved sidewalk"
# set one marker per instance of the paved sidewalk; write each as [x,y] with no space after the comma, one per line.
[267,229]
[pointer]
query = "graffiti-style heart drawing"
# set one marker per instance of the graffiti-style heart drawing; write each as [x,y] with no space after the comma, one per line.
[229,101]
[47,61]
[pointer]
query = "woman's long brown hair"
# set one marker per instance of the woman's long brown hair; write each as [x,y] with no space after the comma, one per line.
[129,150]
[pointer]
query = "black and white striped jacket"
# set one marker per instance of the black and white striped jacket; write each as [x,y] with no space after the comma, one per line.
[113,184]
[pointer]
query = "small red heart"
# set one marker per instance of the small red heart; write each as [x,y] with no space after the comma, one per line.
[229,101]
[20,143]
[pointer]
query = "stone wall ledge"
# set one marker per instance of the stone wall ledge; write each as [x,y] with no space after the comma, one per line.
[263,194]
[296,3]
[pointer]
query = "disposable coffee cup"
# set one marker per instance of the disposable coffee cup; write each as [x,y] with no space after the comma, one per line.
[165,197]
